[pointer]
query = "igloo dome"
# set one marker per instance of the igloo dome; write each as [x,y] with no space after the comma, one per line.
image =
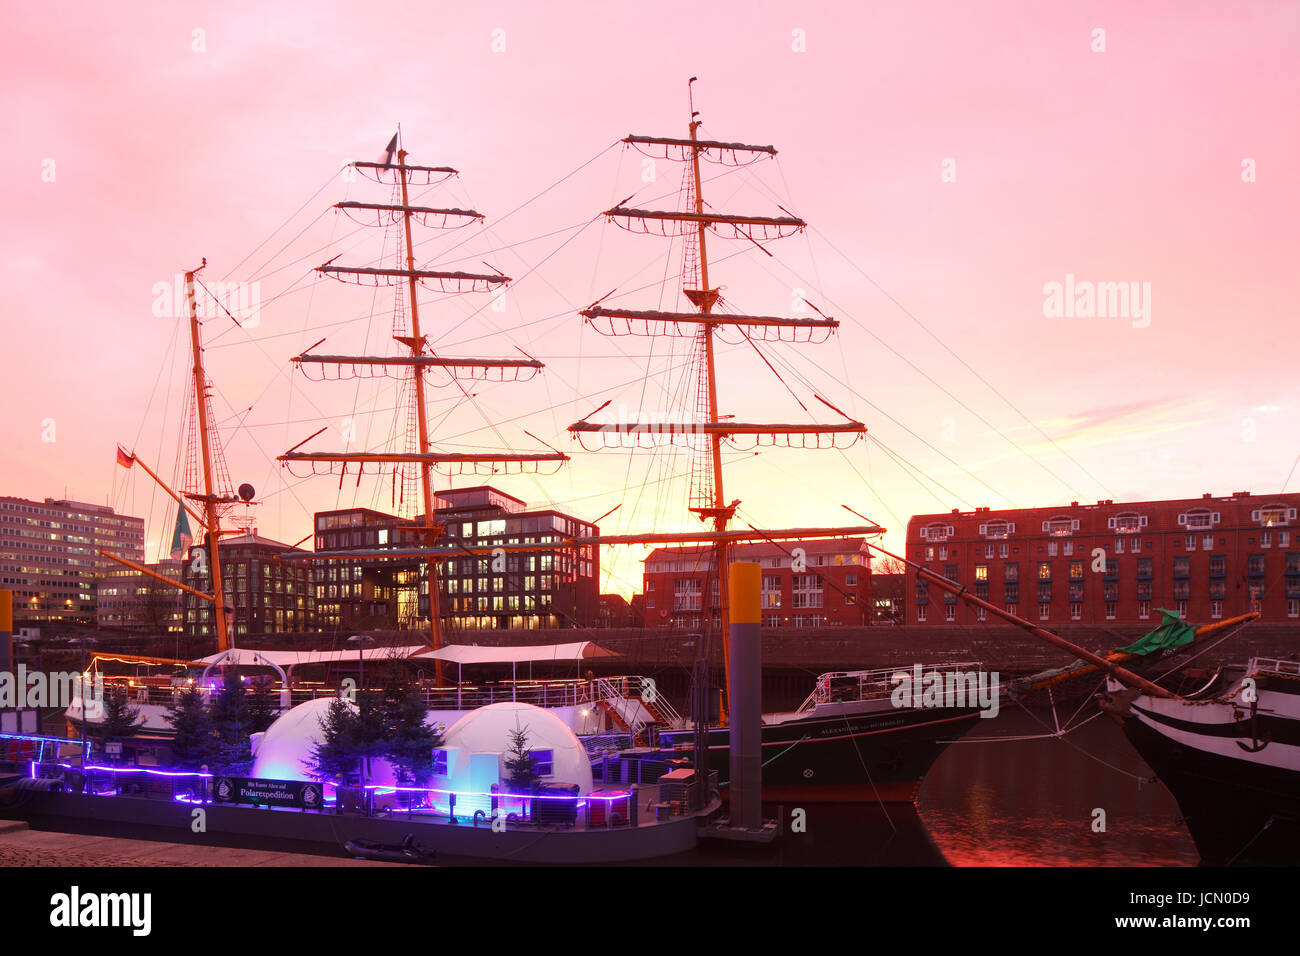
[284,751]
[478,745]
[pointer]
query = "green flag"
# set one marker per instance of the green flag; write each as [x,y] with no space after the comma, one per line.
[181,538]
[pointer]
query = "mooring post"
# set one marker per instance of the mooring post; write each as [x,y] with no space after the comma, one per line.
[744,695]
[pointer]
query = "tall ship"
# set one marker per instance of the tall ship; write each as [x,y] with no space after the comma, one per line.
[852,739]
[1230,754]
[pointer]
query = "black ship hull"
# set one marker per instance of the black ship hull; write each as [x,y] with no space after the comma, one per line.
[875,757]
[1237,810]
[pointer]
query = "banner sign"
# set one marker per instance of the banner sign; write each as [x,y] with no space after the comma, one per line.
[268,793]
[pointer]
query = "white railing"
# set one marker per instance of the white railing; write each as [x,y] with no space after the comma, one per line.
[835,686]
[1274,665]
[547,694]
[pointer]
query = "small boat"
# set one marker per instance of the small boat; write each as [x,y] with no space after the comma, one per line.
[408,851]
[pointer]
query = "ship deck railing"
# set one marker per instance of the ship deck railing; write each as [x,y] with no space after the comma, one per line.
[551,693]
[1274,665]
[875,684]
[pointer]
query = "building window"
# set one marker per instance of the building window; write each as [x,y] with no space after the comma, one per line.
[1284,539]
[1076,612]
[1119,545]
[981,613]
[1216,610]
[1274,515]
[950,612]
[981,572]
[1051,549]
[1182,609]
[1293,607]
[1044,570]
[1012,572]
[1144,610]
[1136,545]
[920,614]
[1013,609]
[1199,520]
[1060,526]
[1043,611]
[1110,610]
[988,551]
[1002,550]
[1076,570]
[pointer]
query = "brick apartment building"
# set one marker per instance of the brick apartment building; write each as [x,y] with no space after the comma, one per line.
[821,583]
[268,596]
[1207,558]
[541,589]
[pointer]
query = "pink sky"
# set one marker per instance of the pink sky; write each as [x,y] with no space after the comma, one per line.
[1120,166]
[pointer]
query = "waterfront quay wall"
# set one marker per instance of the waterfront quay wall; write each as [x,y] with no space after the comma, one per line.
[1004,648]
[1007,649]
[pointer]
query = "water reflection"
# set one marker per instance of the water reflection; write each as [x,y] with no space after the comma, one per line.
[1033,802]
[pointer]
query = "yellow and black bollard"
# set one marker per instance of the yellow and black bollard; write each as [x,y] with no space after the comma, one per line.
[744,691]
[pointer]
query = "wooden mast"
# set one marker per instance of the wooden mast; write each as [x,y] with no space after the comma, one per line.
[712,508]
[431,529]
[212,524]
[704,299]
[417,361]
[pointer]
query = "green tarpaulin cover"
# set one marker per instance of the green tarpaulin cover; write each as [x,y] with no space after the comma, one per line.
[1172,632]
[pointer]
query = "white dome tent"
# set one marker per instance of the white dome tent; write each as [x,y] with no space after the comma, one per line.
[477,746]
[284,751]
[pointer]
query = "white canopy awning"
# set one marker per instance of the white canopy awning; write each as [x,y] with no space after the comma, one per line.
[475,654]
[246,657]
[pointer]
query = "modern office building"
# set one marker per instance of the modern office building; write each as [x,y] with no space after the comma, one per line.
[820,583]
[536,589]
[1111,563]
[49,555]
[127,600]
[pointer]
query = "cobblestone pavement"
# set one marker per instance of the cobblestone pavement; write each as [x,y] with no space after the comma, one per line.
[22,846]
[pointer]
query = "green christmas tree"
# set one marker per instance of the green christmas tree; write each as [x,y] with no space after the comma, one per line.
[408,741]
[194,745]
[520,763]
[120,718]
[350,735]
[335,756]
[263,707]
[232,722]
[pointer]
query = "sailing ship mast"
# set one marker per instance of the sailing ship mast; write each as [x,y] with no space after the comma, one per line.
[208,557]
[212,521]
[420,358]
[707,497]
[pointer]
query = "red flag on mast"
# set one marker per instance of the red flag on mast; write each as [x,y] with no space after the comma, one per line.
[123,459]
